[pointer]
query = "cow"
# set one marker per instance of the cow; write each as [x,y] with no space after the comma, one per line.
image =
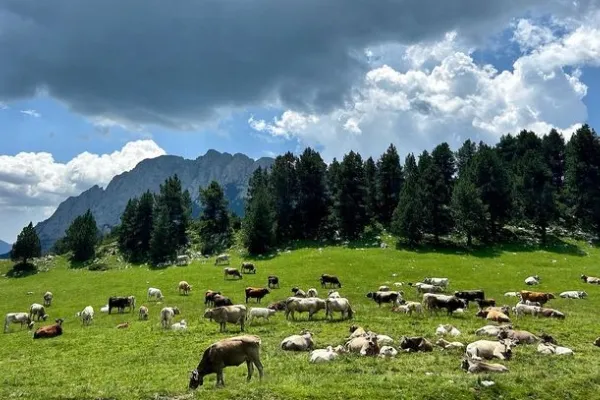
[277,306]
[408,308]
[312,292]
[298,292]
[387,352]
[235,314]
[443,282]
[143,313]
[450,303]
[184,288]
[209,297]
[231,272]
[487,349]
[49,331]
[37,310]
[264,313]
[365,344]
[539,297]
[474,366]
[86,315]
[228,352]
[551,313]
[384,297]
[17,318]
[573,294]
[485,303]
[342,305]
[121,303]
[590,279]
[446,345]
[222,258]
[248,267]
[48,296]
[427,288]
[524,309]
[256,293]
[301,342]
[324,355]
[167,314]
[220,301]
[183,259]
[532,280]
[549,348]
[416,343]
[493,315]
[331,280]
[272,281]
[154,292]
[518,336]
[492,330]
[470,295]
[447,329]
[312,306]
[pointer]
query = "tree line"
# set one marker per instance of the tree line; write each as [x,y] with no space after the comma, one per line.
[523,180]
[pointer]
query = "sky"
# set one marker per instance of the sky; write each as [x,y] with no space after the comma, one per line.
[89,89]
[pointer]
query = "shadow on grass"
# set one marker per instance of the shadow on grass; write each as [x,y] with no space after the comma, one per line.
[22,270]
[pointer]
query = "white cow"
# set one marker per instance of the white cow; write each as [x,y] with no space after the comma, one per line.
[387,351]
[524,309]
[86,315]
[487,349]
[302,342]
[532,280]
[48,296]
[325,355]
[167,314]
[179,326]
[104,308]
[154,292]
[37,310]
[443,282]
[573,294]
[334,294]
[312,292]
[446,345]
[492,330]
[447,330]
[222,258]
[549,348]
[183,259]
[511,294]
[257,312]
[17,318]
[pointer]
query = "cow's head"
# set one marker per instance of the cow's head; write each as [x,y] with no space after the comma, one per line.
[482,313]
[583,294]
[370,295]
[45,317]
[195,380]
[584,278]
[208,313]
[550,296]
[464,364]
[508,344]
[597,342]
[176,310]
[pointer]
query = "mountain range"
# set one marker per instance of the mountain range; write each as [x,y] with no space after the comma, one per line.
[5,247]
[232,172]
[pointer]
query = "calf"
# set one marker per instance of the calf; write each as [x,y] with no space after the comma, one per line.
[264,313]
[167,314]
[231,272]
[143,313]
[49,331]
[408,308]
[86,315]
[325,355]
[470,295]
[272,281]
[256,293]
[331,280]
[248,267]
[298,292]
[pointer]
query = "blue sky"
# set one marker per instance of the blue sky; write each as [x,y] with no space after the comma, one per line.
[87,95]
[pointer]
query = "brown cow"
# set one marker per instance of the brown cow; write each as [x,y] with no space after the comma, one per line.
[493,315]
[483,303]
[277,306]
[539,297]
[231,272]
[256,293]
[220,301]
[49,331]
[209,297]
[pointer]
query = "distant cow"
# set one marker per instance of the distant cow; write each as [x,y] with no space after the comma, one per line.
[485,303]
[384,297]
[470,295]
[256,293]
[573,294]
[248,267]
[443,282]
[235,314]
[167,314]
[48,296]
[220,301]
[539,297]
[311,305]
[226,353]
[183,259]
[474,366]
[184,287]
[487,349]
[416,343]
[493,315]
[450,303]
[298,292]
[427,288]
[17,318]
[272,281]
[590,279]
[222,258]
[532,280]
[49,331]
[209,297]
[277,306]
[231,272]
[551,313]
[331,280]
[121,303]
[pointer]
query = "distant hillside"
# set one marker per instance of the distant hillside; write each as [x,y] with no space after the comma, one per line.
[4,248]
[107,205]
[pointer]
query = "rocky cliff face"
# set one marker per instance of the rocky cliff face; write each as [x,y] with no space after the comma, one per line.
[231,171]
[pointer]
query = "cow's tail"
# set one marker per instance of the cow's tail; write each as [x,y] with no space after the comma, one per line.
[350,311]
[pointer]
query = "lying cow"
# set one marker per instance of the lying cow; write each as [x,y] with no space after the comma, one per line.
[365,345]
[228,352]
[416,343]
[384,297]
[493,315]
[443,282]
[325,355]
[447,329]
[551,313]
[233,314]
[446,345]
[491,330]
[532,280]
[474,366]
[485,303]
[573,294]
[518,336]
[311,305]
[301,342]
[524,309]
[549,348]
[49,331]
[590,279]
[487,349]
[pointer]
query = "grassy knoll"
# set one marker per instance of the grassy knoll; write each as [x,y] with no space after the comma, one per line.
[102,362]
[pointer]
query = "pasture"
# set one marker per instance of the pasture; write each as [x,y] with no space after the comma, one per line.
[146,362]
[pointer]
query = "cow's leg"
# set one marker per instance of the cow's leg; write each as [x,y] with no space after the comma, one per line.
[242,324]
[220,381]
[250,370]
[259,366]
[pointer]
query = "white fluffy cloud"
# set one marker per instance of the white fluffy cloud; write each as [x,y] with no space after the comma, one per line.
[33,184]
[440,93]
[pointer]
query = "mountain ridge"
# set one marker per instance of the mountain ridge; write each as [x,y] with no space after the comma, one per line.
[107,204]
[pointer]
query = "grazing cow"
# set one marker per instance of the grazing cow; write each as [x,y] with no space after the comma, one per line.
[551,313]
[154,292]
[37,310]
[235,314]
[518,336]
[272,281]
[330,279]
[220,301]
[341,305]
[539,297]
[450,303]
[384,297]
[485,303]
[415,343]
[301,342]
[532,280]
[487,349]
[209,297]
[248,268]
[387,352]
[549,348]
[491,330]
[383,288]
[573,294]
[524,309]
[470,295]
[121,303]
[277,306]
[86,315]
[184,287]
[167,314]
[447,329]
[48,296]
[227,353]
[222,258]
[49,331]
[298,292]
[256,293]
[443,282]
[143,313]
[231,272]
[446,345]
[408,308]
[474,366]
[493,315]
[427,288]
[333,294]
[264,313]
[325,355]
[179,326]
[590,279]
[312,306]
[312,292]
[17,318]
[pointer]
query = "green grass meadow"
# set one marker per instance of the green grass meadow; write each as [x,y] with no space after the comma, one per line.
[146,362]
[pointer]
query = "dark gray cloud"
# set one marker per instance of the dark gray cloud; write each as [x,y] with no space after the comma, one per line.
[176,62]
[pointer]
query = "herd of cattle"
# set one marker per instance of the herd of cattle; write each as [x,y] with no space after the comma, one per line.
[246,348]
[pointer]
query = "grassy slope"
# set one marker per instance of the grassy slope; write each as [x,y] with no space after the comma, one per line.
[102,362]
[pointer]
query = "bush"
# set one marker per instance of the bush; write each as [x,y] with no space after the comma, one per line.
[99,267]
[22,269]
